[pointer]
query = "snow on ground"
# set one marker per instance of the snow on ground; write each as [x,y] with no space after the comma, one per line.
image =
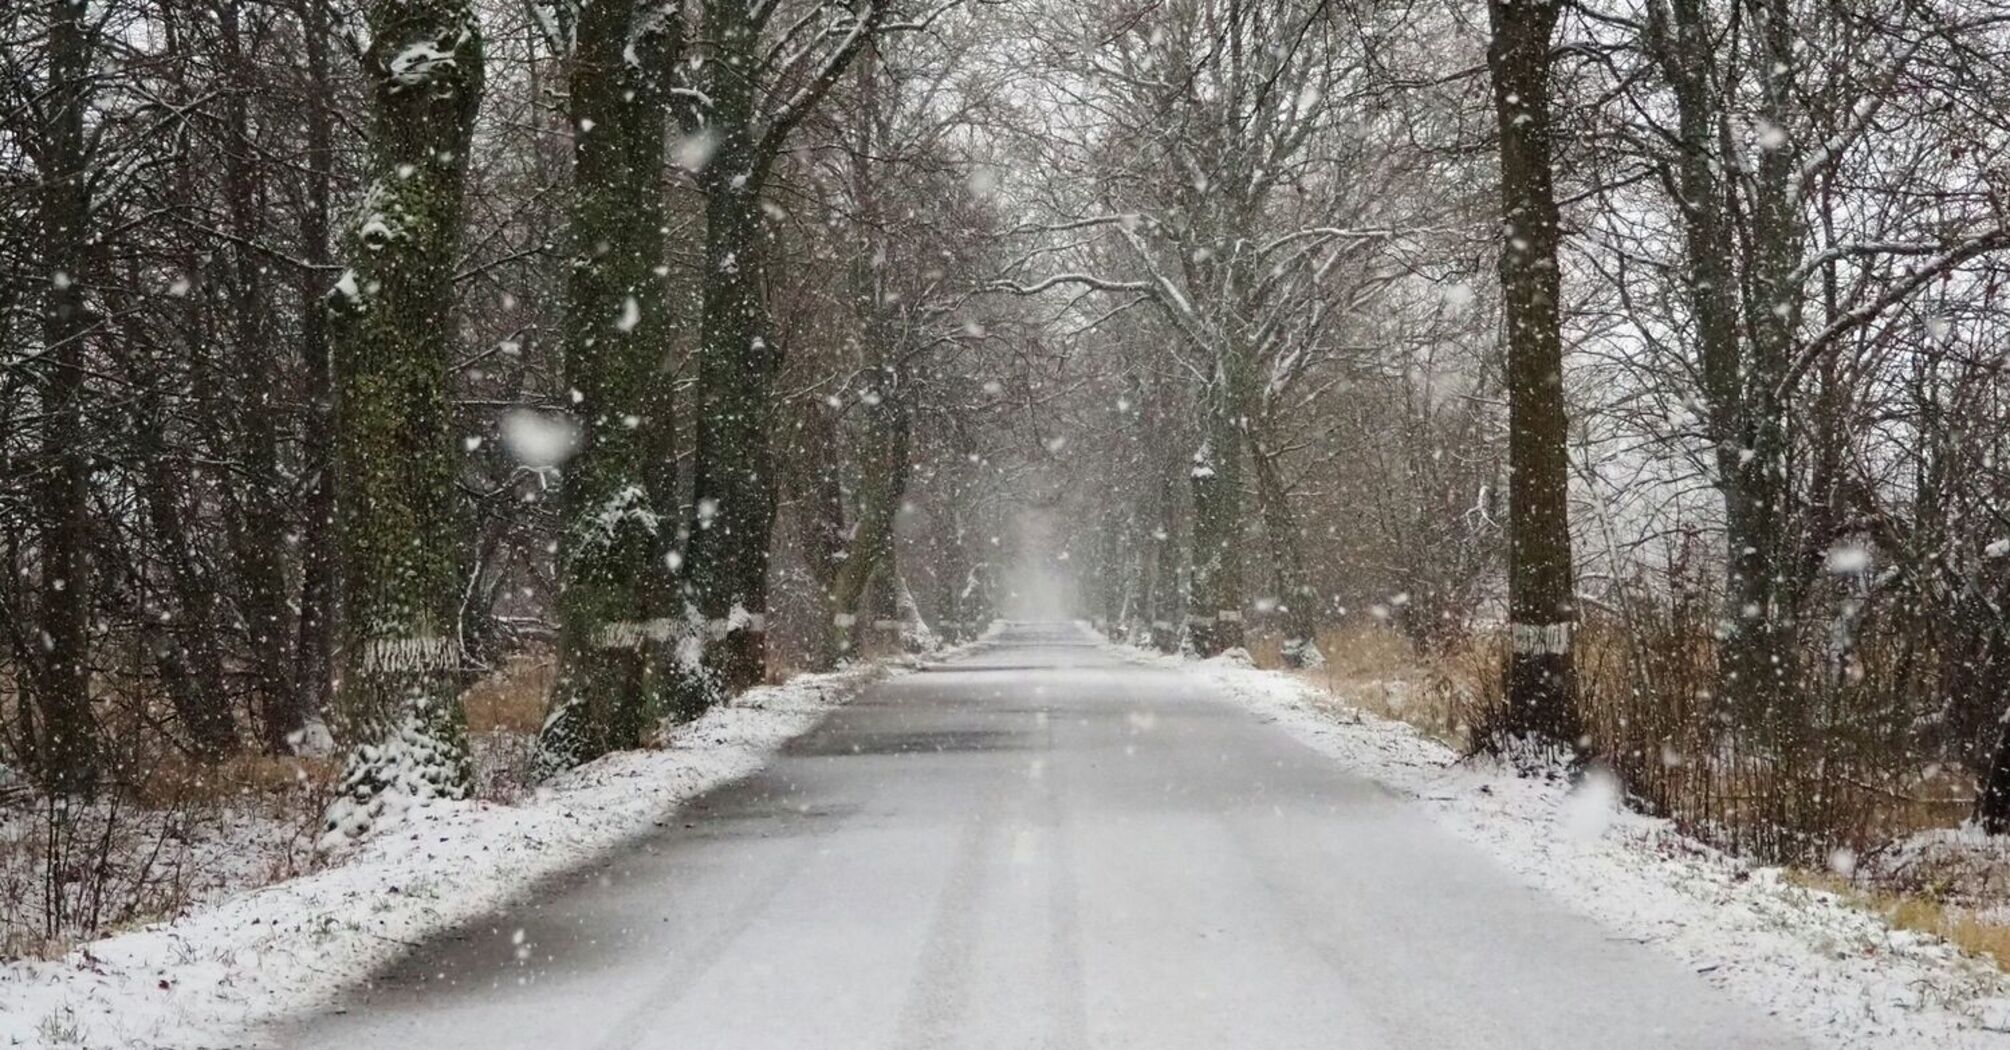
[1841,975]
[1961,865]
[196,980]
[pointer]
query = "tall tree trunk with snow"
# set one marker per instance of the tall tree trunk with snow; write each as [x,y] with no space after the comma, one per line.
[1214,604]
[397,452]
[314,650]
[732,484]
[617,598]
[1541,702]
[58,669]
[1297,605]
[733,479]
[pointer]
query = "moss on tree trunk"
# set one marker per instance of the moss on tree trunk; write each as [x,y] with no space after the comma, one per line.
[397,455]
[618,608]
[1214,605]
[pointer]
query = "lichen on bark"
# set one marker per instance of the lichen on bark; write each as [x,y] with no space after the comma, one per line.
[396,455]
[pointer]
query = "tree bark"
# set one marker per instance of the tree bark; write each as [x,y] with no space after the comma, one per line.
[733,488]
[1541,704]
[320,584]
[190,653]
[1214,605]
[885,442]
[255,513]
[396,450]
[1297,605]
[1757,644]
[617,596]
[733,480]
[1741,371]
[58,671]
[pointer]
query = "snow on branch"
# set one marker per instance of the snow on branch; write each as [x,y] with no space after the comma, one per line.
[1994,240]
[855,33]
[1084,280]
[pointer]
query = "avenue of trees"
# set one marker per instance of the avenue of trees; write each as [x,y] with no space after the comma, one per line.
[1651,349]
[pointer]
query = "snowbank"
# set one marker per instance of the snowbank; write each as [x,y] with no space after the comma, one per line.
[1840,975]
[198,979]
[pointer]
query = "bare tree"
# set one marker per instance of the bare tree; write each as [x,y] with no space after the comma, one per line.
[1541,702]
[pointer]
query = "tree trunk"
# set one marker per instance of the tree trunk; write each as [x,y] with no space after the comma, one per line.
[1541,706]
[396,449]
[189,643]
[733,487]
[1297,606]
[1214,605]
[189,653]
[58,676]
[255,511]
[1680,39]
[1163,602]
[1988,672]
[314,651]
[733,481]
[616,593]
[955,575]
[1758,643]
[885,440]
[819,497]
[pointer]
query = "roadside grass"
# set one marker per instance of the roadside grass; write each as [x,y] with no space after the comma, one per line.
[1960,926]
[1374,668]
[512,699]
[182,832]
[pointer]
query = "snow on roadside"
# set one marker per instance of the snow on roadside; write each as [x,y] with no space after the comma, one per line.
[1842,976]
[196,980]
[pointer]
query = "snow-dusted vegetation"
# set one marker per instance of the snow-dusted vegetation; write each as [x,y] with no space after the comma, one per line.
[232,961]
[1836,969]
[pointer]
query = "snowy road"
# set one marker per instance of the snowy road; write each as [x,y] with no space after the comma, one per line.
[1040,845]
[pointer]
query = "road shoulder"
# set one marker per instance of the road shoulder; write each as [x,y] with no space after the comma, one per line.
[1840,976]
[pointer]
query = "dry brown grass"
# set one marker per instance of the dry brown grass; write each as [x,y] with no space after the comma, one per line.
[1375,668]
[1265,650]
[1958,926]
[177,782]
[513,699]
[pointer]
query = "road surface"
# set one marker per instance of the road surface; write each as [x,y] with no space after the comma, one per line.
[1040,846]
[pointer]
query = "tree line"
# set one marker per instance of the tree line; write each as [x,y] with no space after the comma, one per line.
[351,347]
[1649,347]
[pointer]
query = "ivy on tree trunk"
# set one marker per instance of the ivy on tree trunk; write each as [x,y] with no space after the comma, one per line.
[618,621]
[1214,605]
[399,520]
[734,487]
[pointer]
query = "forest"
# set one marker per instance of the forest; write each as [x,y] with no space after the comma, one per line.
[414,400]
